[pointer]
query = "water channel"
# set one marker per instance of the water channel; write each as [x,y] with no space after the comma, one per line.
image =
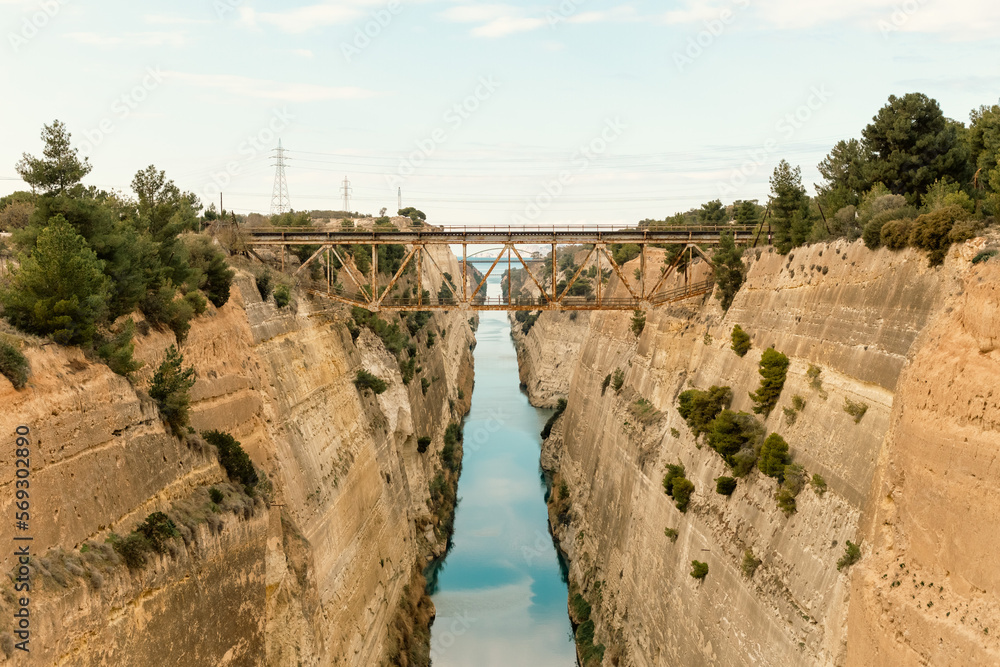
[501,592]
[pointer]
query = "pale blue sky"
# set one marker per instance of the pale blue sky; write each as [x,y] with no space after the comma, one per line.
[185,84]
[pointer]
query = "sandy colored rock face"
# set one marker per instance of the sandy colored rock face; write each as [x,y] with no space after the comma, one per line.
[860,317]
[927,591]
[315,579]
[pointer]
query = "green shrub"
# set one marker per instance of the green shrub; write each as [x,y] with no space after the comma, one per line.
[798,402]
[750,564]
[773,369]
[179,315]
[233,458]
[560,408]
[741,341]
[157,529]
[644,410]
[852,554]
[117,351]
[264,284]
[209,271]
[791,486]
[282,296]
[774,456]
[170,390]
[425,384]
[618,380]
[699,570]
[814,377]
[856,410]
[985,255]
[13,365]
[215,495]
[727,436]
[364,380]
[790,415]
[394,340]
[674,471]
[59,289]
[682,489]
[449,453]
[198,303]
[132,549]
[423,442]
[581,608]
[671,533]
[818,484]
[725,485]
[638,322]
[895,234]
[931,231]
[699,408]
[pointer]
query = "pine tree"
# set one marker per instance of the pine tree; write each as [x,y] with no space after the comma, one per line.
[60,289]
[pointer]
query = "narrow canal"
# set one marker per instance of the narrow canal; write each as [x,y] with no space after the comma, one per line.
[501,592]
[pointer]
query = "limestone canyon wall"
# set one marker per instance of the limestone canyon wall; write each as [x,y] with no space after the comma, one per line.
[312,577]
[913,480]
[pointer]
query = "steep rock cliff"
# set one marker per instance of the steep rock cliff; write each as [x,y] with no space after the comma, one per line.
[313,578]
[856,315]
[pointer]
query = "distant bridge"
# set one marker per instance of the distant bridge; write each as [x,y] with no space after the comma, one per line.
[370,293]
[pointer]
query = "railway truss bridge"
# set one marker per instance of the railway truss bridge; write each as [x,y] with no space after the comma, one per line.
[376,295]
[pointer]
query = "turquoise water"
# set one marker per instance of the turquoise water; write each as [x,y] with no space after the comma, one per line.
[501,592]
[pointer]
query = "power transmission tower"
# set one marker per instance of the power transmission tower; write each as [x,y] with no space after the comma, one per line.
[346,191]
[279,196]
[399,199]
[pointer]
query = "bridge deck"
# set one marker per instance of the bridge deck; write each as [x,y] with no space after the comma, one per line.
[483,235]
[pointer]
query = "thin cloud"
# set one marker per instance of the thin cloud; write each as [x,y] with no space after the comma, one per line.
[168,19]
[243,86]
[303,19]
[977,19]
[175,39]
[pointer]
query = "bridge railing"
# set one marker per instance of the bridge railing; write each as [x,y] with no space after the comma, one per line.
[509,229]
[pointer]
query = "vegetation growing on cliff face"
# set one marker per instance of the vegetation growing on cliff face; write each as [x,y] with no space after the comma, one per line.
[449,454]
[683,489]
[149,536]
[234,459]
[365,380]
[618,380]
[730,272]
[13,365]
[774,456]
[698,408]
[750,564]
[282,296]
[856,409]
[699,570]
[560,408]
[725,485]
[773,370]
[736,437]
[638,322]
[677,486]
[793,479]
[741,341]
[171,390]
[852,554]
